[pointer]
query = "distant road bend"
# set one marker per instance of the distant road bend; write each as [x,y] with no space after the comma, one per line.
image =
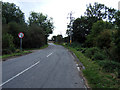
[52,67]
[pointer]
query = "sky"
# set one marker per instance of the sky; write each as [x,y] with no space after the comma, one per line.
[59,10]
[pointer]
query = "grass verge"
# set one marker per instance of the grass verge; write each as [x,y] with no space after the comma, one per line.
[26,51]
[94,74]
[15,54]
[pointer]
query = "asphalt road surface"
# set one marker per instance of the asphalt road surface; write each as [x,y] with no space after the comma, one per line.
[52,67]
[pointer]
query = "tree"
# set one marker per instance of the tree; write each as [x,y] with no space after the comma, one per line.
[100,11]
[96,30]
[11,12]
[82,27]
[54,38]
[34,37]
[104,39]
[59,38]
[7,43]
[42,21]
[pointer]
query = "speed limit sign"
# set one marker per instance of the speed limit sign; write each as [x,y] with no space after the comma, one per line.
[21,35]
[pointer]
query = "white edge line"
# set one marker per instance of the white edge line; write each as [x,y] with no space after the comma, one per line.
[49,54]
[78,68]
[19,73]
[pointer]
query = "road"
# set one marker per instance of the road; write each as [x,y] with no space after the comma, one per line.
[52,67]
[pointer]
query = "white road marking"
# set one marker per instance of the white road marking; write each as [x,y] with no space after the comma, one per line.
[19,74]
[78,68]
[49,54]
[77,65]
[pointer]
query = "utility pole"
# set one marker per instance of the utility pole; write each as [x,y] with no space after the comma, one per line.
[70,25]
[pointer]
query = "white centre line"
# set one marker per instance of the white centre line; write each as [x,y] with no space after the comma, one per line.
[19,74]
[49,54]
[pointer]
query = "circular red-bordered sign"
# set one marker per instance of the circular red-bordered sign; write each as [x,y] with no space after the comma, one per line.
[21,35]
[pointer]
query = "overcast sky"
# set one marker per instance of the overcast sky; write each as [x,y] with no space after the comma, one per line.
[59,9]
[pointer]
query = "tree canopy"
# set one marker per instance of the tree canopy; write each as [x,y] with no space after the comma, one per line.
[11,12]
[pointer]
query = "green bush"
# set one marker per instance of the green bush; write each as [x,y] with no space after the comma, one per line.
[104,39]
[95,53]
[7,42]
[110,66]
[17,50]
[76,44]
[6,51]
[34,38]
[91,51]
[99,56]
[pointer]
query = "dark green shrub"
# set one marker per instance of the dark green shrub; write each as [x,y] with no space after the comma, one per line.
[95,53]
[104,39]
[91,51]
[110,66]
[7,42]
[34,38]
[17,50]
[99,56]
[6,51]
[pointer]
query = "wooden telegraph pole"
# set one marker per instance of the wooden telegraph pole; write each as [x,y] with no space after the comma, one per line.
[70,25]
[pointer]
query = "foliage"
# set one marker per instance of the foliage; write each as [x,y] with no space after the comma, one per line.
[15,54]
[59,38]
[117,19]
[11,12]
[36,31]
[104,39]
[82,27]
[94,73]
[100,11]
[99,56]
[109,66]
[95,53]
[99,26]
[54,38]
[98,30]
[42,21]
[34,38]
[7,40]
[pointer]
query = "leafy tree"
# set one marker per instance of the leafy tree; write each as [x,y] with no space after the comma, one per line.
[104,39]
[11,12]
[14,29]
[100,11]
[97,28]
[42,21]
[117,20]
[54,38]
[82,27]
[34,37]
[59,38]
[7,42]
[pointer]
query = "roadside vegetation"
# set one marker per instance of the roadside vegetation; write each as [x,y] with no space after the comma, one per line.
[99,73]
[96,42]
[36,29]
[19,53]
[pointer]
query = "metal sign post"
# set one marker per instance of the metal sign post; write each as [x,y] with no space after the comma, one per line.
[21,44]
[21,35]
